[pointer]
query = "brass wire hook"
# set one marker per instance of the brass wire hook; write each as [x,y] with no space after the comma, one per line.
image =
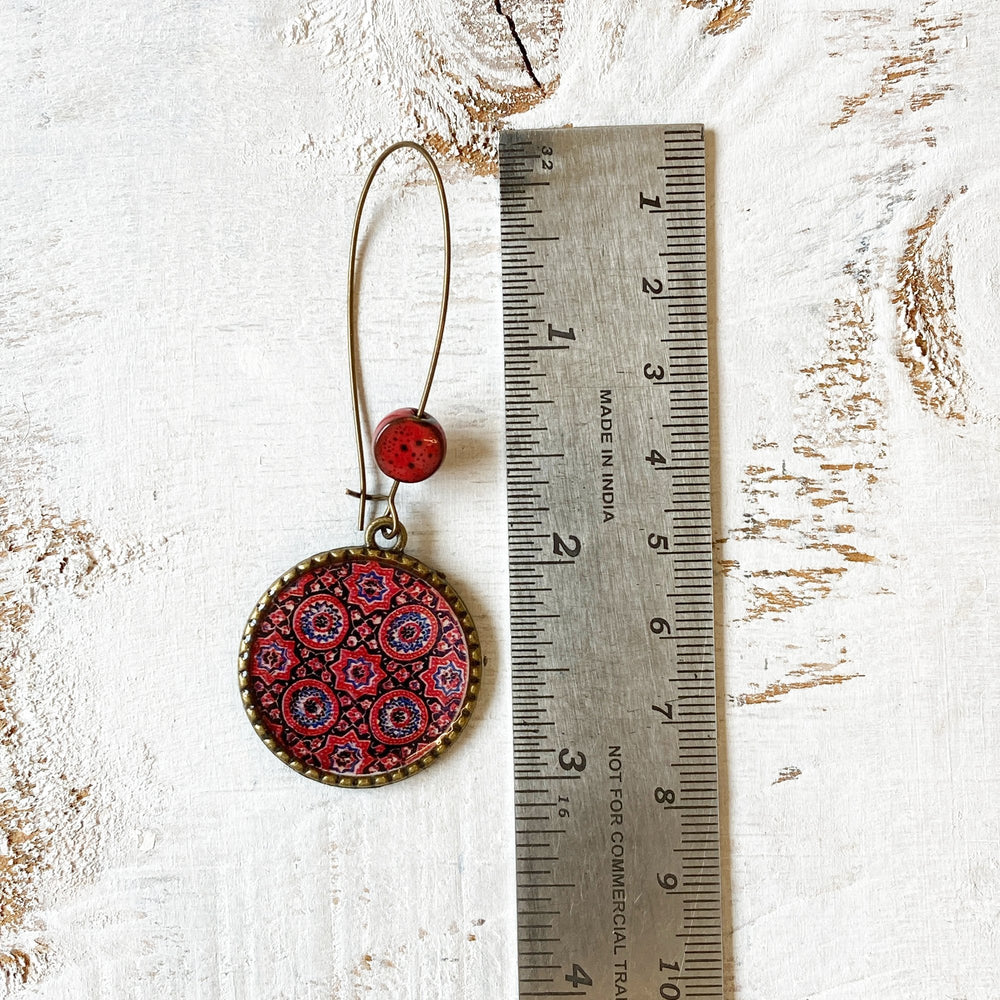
[389,524]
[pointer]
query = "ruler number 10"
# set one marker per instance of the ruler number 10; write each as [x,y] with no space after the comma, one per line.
[670,991]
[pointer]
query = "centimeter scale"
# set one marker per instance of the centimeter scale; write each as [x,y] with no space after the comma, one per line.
[610,538]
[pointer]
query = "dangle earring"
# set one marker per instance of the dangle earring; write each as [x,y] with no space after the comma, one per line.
[361,665]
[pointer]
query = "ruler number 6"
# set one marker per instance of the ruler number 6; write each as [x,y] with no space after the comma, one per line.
[659,625]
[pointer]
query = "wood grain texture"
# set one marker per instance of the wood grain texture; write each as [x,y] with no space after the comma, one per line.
[177,184]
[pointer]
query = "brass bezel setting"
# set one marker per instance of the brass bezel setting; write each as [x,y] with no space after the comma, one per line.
[417,569]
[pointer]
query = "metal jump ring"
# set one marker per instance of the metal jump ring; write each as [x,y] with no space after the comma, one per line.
[389,529]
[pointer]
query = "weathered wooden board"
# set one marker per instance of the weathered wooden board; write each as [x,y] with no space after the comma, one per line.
[177,184]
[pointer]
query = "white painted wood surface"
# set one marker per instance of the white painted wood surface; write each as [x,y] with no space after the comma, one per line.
[177,183]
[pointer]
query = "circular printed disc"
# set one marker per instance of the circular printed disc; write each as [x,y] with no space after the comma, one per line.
[359,666]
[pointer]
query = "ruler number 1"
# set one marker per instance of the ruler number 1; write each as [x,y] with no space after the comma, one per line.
[645,202]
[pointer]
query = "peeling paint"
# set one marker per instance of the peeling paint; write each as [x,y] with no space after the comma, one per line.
[900,78]
[789,773]
[726,14]
[930,348]
[51,831]
[809,675]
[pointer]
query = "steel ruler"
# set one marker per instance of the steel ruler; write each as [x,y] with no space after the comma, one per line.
[610,537]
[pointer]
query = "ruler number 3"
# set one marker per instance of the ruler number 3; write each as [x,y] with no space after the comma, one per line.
[570,761]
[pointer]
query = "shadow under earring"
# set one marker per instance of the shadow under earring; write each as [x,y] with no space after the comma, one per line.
[361,665]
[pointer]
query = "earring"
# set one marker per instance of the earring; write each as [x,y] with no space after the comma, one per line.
[361,665]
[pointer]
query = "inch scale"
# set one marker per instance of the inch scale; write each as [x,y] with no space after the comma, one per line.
[610,543]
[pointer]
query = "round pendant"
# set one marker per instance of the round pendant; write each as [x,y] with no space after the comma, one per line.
[359,666]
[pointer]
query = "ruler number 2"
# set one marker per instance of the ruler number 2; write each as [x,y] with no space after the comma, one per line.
[569,334]
[566,547]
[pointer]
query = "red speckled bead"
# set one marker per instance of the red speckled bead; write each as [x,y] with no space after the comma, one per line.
[408,447]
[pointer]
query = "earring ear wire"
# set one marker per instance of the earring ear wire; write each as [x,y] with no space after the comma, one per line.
[419,414]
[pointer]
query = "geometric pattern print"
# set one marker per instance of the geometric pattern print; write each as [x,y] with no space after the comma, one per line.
[357,666]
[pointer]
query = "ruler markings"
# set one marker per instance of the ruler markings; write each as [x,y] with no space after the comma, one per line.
[569,742]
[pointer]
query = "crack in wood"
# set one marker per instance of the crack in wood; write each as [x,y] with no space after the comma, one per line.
[518,42]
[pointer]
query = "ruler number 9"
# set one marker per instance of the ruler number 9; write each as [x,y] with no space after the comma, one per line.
[668,881]
[546,163]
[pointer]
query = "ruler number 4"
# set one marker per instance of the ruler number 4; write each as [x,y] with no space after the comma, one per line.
[578,977]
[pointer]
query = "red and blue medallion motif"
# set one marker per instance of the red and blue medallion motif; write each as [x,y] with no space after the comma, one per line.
[358,666]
